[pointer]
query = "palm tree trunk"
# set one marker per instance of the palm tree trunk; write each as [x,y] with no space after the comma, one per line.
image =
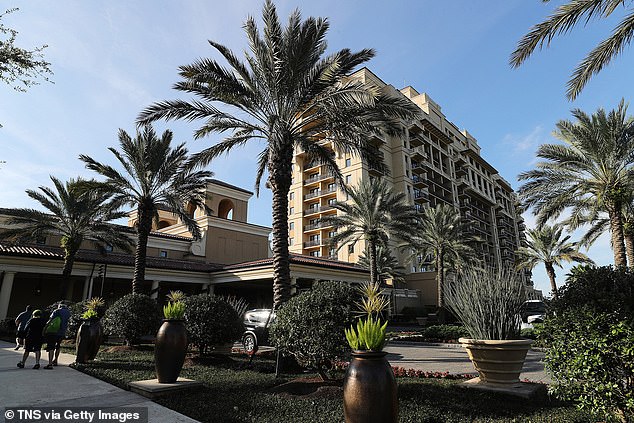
[67,270]
[616,232]
[550,271]
[440,276]
[373,265]
[143,231]
[280,181]
[629,248]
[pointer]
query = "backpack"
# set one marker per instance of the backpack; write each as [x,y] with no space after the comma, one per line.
[53,326]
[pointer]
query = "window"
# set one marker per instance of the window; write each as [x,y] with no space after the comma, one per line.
[332,187]
[41,240]
[348,179]
[291,241]
[350,248]
[291,226]
[314,238]
[163,254]
[314,253]
[291,196]
[348,162]
[291,210]
[108,248]
[332,201]
[331,234]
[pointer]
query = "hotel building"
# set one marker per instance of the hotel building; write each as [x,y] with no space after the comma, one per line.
[433,163]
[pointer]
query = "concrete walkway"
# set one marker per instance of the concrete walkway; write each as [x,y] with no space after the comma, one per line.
[66,387]
[454,359]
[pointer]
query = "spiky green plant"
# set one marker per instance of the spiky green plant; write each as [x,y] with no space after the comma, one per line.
[94,303]
[370,335]
[89,314]
[175,296]
[174,310]
[373,301]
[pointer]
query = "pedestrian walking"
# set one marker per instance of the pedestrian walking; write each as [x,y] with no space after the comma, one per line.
[20,323]
[54,332]
[33,339]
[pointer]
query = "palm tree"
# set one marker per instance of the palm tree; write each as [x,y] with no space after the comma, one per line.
[156,176]
[442,234]
[387,266]
[566,17]
[546,245]
[374,213]
[593,169]
[74,213]
[292,97]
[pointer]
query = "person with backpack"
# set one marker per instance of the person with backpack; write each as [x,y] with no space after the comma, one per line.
[33,339]
[20,323]
[54,332]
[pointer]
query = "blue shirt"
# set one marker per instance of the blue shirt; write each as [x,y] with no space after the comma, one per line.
[22,319]
[64,315]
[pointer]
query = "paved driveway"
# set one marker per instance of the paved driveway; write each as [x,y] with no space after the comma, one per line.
[454,359]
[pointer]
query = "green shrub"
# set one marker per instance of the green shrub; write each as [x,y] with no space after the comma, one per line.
[7,327]
[132,317]
[589,329]
[77,311]
[311,325]
[445,332]
[211,321]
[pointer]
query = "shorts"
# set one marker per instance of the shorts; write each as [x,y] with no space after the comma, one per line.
[32,346]
[53,341]
[20,334]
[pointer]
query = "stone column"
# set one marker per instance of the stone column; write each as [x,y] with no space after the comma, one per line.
[5,293]
[293,285]
[154,291]
[212,289]
[87,286]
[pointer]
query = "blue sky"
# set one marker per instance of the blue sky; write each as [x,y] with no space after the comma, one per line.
[112,59]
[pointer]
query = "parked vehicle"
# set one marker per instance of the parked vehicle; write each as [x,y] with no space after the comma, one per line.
[256,329]
[532,312]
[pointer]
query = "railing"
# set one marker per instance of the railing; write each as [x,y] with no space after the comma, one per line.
[317,210]
[310,244]
[317,178]
[319,193]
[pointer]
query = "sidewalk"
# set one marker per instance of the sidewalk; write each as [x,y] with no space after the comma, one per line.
[66,387]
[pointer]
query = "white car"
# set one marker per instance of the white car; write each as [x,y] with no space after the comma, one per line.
[532,312]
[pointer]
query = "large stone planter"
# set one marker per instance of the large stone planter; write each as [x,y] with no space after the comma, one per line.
[369,389]
[498,361]
[88,341]
[169,350]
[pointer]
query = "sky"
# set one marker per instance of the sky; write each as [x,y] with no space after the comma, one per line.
[112,59]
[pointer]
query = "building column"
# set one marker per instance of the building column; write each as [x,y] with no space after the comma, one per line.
[155,289]
[211,289]
[293,285]
[87,283]
[5,293]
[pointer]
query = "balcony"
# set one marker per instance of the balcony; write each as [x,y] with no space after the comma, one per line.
[421,195]
[418,167]
[419,181]
[375,169]
[311,165]
[318,178]
[312,244]
[415,141]
[320,193]
[320,209]
[316,226]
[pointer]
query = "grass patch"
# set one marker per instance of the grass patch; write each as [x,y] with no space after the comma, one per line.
[234,393]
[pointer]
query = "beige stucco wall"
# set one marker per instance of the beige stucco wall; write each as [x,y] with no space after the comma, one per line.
[426,283]
[227,246]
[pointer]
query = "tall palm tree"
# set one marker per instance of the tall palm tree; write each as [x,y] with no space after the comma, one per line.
[442,234]
[155,176]
[292,97]
[567,16]
[387,266]
[592,169]
[547,245]
[76,214]
[374,213]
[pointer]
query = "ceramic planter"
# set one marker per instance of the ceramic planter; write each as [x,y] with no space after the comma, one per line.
[498,361]
[88,341]
[369,389]
[169,350]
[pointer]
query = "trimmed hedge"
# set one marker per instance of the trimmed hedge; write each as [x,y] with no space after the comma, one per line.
[132,317]
[211,320]
[310,326]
